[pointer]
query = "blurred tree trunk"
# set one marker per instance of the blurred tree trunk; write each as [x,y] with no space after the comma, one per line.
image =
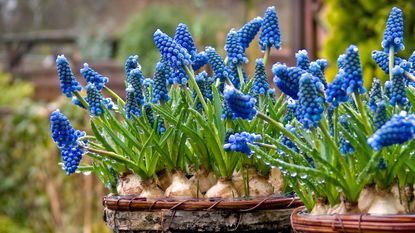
[88,190]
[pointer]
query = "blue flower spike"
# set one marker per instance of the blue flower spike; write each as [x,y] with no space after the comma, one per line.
[184,38]
[393,34]
[317,71]
[248,32]
[303,61]
[375,94]
[341,61]
[217,64]
[270,35]
[287,79]
[160,92]
[397,92]
[91,76]
[344,145]
[135,79]
[65,136]
[199,60]
[67,79]
[382,60]
[238,142]
[381,115]
[239,104]
[94,99]
[260,84]
[353,71]
[335,93]
[130,64]
[176,55]
[309,106]
[132,107]
[398,130]
[236,53]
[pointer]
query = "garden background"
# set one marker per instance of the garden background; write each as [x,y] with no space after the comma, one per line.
[35,194]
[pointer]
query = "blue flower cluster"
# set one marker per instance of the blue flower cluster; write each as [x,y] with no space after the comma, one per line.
[149,113]
[318,71]
[94,98]
[205,85]
[287,79]
[335,93]
[65,136]
[399,129]
[289,112]
[199,60]
[382,60]
[217,64]
[381,115]
[248,32]
[341,61]
[160,92]
[411,59]
[345,146]
[66,77]
[227,112]
[286,141]
[132,107]
[397,93]
[93,77]
[234,76]
[147,82]
[176,55]
[375,94]
[236,53]
[241,105]
[303,61]
[353,80]
[393,35]
[179,76]
[239,142]
[323,63]
[184,38]
[309,106]
[135,79]
[270,34]
[260,84]
[130,64]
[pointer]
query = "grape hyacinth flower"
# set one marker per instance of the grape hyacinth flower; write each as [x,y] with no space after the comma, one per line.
[388,88]
[353,80]
[286,141]
[290,110]
[248,32]
[184,38]
[260,84]
[345,146]
[382,60]
[323,64]
[316,70]
[398,130]
[67,79]
[199,60]
[65,136]
[205,86]
[381,115]
[397,93]
[303,61]
[179,76]
[149,113]
[236,53]
[382,164]
[234,77]
[309,109]
[375,94]
[218,65]
[393,35]
[341,61]
[270,34]
[160,92]
[132,107]
[239,142]
[241,105]
[130,64]
[94,98]
[93,77]
[227,113]
[335,93]
[287,79]
[146,85]
[176,55]
[135,79]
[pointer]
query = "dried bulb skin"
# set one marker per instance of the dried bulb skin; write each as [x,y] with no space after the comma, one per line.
[384,202]
[164,179]
[224,188]
[321,207]
[276,180]
[130,184]
[181,187]
[204,179]
[151,190]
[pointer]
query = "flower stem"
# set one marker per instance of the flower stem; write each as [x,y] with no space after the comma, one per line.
[391,61]
[410,76]
[266,55]
[335,125]
[192,80]
[80,98]
[113,94]
[315,139]
[362,110]
[240,75]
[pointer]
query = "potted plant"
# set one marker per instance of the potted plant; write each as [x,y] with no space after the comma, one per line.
[347,153]
[168,151]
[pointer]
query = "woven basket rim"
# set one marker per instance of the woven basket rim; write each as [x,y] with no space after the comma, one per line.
[394,223]
[134,203]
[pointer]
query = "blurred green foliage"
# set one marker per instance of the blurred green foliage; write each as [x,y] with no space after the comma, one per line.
[12,90]
[137,34]
[362,22]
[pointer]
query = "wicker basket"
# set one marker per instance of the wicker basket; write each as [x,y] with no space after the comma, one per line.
[131,214]
[364,223]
